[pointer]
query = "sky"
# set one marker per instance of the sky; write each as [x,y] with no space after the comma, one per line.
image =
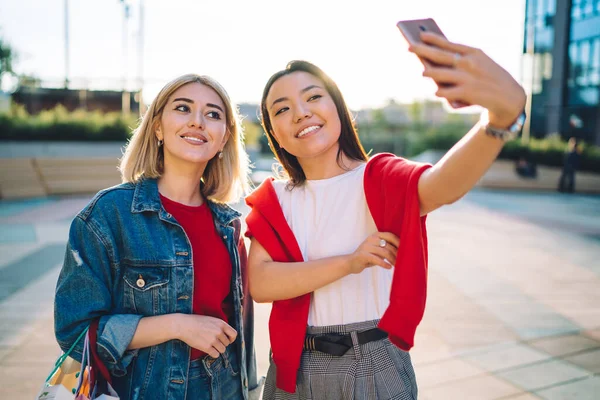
[242,42]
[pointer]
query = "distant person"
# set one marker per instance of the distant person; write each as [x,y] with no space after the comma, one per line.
[566,183]
[160,260]
[525,166]
[326,237]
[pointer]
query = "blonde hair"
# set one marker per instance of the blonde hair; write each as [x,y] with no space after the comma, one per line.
[224,180]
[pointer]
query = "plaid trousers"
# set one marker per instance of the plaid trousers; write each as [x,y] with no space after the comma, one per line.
[376,370]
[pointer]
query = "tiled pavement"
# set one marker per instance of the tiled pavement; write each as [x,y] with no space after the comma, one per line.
[513,309]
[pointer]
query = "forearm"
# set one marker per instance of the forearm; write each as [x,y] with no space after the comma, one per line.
[152,331]
[459,170]
[271,281]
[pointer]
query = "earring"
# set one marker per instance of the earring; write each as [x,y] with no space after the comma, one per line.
[221,155]
[160,142]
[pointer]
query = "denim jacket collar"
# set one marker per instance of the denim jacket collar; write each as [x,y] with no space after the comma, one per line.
[146,198]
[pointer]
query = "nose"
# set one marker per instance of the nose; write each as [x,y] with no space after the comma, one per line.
[302,111]
[196,120]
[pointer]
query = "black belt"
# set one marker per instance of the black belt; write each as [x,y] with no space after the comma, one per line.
[338,345]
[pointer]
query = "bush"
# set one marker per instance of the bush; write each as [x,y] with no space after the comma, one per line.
[59,124]
[551,152]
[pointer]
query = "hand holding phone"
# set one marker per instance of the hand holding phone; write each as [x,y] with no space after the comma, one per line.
[411,30]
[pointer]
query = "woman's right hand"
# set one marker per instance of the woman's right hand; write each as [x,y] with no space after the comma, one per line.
[208,334]
[370,252]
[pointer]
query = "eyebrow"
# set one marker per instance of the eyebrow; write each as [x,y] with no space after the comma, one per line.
[186,100]
[306,89]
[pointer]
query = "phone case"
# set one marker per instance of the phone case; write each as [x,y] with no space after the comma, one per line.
[411,30]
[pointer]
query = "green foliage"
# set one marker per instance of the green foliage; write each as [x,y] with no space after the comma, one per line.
[551,152]
[419,138]
[7,56]
[441,137]
[59,124]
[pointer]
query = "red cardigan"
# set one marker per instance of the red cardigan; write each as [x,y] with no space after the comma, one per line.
[390,185]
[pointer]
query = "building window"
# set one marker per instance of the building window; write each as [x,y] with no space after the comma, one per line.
[576,10]
[573,62]
[584,64]
[595,65]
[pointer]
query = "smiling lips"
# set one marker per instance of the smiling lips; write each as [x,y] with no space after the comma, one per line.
[194,138]
[308,130]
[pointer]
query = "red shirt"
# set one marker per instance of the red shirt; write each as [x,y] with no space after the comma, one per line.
[212,265]
[390,186]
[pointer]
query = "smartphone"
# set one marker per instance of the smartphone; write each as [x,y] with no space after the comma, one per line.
[411,30]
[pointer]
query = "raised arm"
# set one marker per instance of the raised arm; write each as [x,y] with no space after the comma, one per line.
[466,75]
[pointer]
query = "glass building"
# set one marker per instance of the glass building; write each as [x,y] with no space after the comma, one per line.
[561,68]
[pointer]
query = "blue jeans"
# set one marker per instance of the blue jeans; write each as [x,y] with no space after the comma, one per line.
[215,378]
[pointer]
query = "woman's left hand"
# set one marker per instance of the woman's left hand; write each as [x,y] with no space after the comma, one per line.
[467,75]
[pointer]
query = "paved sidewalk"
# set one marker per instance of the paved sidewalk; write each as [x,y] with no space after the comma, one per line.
[513,309]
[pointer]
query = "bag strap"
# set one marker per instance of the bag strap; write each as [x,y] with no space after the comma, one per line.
[95,358]
[64,356]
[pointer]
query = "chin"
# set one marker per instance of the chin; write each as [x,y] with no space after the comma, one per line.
[195,158]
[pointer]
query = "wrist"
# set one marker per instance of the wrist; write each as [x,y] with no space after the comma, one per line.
[347,264]
[508,115]
[498,128]
[504,120]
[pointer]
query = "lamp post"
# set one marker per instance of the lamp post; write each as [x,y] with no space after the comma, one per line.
[125,98]
[66,21]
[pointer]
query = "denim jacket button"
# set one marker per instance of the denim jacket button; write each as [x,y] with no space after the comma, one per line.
[140,282]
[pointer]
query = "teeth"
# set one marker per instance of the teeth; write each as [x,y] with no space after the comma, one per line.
[308,130]
[194,139]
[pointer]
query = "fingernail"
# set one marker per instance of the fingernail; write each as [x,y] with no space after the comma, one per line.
[386,260]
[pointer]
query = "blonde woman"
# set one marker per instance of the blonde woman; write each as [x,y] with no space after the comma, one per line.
[160,261]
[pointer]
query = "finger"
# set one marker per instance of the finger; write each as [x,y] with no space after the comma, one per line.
[452,93]
[230,332]
[219,345]
[444,75]
[385,253]
[433,54]
[378,261]
[390,238]
[443,43]
[214,353]
[224,339]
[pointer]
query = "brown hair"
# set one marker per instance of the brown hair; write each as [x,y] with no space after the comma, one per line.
[349,142]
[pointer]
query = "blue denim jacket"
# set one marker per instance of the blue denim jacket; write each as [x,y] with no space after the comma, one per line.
[127,258]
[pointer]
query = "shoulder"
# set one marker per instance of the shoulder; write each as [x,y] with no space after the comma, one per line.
[109,199]
[387,163]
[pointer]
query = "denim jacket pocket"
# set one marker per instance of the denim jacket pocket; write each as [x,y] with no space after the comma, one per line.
[146,289]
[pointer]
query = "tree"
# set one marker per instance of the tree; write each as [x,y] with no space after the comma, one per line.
[6,57]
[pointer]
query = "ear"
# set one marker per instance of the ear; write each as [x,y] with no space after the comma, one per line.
[158,133]
[226,137]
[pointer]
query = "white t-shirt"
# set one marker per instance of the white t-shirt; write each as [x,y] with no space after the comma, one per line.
[330,217]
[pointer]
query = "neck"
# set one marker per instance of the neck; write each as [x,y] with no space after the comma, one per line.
[326,165]
[182,185]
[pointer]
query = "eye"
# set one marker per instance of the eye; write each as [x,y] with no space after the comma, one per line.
[214,115]
[281,110]
[182,108]
[314,97]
